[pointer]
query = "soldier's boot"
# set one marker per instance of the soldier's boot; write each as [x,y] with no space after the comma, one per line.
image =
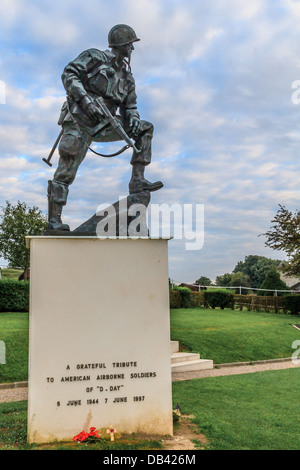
[138,183]
[55,222]
[57,197]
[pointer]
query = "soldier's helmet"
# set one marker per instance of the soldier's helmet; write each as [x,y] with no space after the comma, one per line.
[120,35]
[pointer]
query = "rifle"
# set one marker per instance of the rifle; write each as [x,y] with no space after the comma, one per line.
[117,126]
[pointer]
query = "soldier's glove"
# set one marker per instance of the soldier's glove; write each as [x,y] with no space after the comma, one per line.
[90,109]
[135,125]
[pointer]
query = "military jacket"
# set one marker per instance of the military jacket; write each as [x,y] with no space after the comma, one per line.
[95,73]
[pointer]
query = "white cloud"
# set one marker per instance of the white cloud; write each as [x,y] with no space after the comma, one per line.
[215,78]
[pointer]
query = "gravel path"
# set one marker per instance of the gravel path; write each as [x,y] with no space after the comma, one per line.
[235,370]
[15,393]
[19,391]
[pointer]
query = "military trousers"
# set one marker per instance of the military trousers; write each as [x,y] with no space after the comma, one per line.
[74,145]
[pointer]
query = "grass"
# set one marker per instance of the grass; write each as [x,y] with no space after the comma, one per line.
[241,412]
[8,273]
[234,336]
[14,333]
[257,411]
[13,424]
[13,435]
[249,411]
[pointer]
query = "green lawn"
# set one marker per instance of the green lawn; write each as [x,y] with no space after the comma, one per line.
[258,411]
[14,333]
[234,336]
[8,273]
[250,411]
[13,435]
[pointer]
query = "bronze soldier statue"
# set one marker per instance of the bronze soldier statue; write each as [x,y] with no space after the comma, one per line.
[95,82]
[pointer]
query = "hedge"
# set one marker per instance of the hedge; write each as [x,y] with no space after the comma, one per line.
[175,298]
[218,299]
[197,299]
[14,296]
[182,297]
[291,304]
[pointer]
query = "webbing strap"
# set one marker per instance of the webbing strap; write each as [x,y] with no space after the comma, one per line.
[89,148]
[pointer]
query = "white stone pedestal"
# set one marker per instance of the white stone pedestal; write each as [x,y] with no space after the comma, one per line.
[99,349]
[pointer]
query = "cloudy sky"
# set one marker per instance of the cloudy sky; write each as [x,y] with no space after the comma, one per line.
[216,79]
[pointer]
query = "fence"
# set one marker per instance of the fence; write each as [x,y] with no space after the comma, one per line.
[239,288]
[256,302]
[186,299]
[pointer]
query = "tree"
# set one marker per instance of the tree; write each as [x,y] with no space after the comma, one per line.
[237,279]
[240,279]
[203,281]
[272,281]
[285,236]
[256,267]
[223,280]
[17,222]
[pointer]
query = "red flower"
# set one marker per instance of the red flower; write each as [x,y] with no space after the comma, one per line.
[83,436]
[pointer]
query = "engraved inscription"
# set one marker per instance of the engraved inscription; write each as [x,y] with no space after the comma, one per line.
[120,400]
[74,403]
[139,398]
[108,380]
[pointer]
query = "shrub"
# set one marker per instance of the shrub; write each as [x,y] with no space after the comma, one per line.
[220,289]
[175,298]
[197,299]
[291,304]
[14,296]
[218,299]
[182,297]
[185,297]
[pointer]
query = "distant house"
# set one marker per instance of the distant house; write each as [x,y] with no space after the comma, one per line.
[292,282]
[189,286]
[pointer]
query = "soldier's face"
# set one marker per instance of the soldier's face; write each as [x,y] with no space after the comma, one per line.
[126,50]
